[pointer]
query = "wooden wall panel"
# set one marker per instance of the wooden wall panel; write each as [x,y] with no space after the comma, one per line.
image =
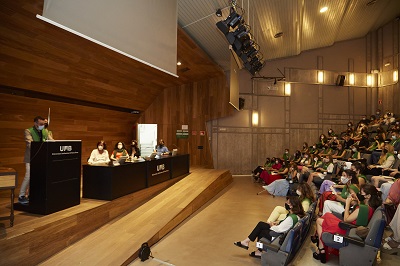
[38,56]
[68,122]
[193,105]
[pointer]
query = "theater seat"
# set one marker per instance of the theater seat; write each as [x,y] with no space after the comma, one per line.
[282,254]
[354,250]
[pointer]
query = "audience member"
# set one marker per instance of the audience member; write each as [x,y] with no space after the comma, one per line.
[348,141]
[332,200]
[273,229]
[306,197]
[360,216]
[385,161]
[392,243]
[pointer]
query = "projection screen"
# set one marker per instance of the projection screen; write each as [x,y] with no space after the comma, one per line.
[144,30]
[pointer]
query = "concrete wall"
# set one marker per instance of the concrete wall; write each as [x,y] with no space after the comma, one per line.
[311,108]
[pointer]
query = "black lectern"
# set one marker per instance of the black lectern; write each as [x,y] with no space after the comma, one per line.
[55,176]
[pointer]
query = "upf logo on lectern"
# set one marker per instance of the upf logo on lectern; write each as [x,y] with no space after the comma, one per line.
[160,167]
[65,148]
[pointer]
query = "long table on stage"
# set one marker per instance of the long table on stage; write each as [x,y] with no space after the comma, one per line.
[111,182]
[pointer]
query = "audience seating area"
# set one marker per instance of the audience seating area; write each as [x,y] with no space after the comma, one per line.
[365,250]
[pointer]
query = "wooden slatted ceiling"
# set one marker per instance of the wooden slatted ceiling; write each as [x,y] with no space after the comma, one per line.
[41,57]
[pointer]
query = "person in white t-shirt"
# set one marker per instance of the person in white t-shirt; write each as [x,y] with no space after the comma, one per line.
[99,155]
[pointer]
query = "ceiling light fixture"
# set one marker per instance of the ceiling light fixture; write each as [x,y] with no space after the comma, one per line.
[179,63]
[387,64]
[324,9]
[218,12]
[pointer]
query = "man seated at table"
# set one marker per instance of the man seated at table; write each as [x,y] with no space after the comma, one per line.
[161,149]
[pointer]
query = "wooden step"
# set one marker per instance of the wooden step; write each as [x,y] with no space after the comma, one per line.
[122,225]
[117,243]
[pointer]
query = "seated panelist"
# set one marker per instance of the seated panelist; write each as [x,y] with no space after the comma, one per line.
[161,148]
[99,155]
[119,150]
[135,151]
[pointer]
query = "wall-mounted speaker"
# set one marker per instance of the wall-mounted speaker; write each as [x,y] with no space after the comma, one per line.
[340,80]
[241,103]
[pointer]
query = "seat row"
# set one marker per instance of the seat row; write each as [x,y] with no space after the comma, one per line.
[282,254]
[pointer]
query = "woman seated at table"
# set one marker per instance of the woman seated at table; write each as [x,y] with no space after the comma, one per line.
[119,150]
[135,149]
[370,199]
[99,155]
[266,230]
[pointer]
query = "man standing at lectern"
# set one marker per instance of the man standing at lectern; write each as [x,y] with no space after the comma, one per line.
[36,133]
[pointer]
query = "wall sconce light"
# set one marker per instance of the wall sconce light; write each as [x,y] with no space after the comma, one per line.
[254,119]
[369,80]
[320,76]
[395,75]
[351,79]
[287,89]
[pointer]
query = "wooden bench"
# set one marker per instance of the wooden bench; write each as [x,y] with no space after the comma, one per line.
[8,180]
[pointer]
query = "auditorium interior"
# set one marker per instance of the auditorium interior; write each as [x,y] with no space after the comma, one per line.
[249,79]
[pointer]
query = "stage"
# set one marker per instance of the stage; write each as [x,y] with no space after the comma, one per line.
[107,232]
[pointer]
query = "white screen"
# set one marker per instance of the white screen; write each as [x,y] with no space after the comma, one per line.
[144,29]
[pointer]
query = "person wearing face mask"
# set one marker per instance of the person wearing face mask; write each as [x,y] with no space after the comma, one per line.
[275,173]
[340,152]
[348,141]
[335,201]
[285,156]
[349,185]
[135,151]
[306,197]
[259,169]
[355,154]
[305,149]
[322,171]
[386,161]
[280,186]
[317,162]
[305,160]
[331,133]
[99,155]
[387,175]
[161,149]
[369,199]
[395,141]
[273,229]
[37,133]
[119,150]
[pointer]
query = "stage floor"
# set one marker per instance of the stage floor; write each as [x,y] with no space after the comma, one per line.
[146,216]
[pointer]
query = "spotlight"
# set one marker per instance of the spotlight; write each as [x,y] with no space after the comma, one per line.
[230,22]
[219,12]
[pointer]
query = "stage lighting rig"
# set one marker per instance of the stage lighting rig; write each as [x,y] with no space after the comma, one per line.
[238,35]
